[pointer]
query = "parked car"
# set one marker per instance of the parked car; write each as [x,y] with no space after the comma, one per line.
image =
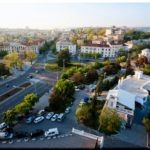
[30,119]
[3,125]
[81,87]
[67,110]
[54,117]
[21,134]
[38,119]
[9,130]
[41,112]
[29,77]
[77,90]
[49,115]
[51,132]
[61,117]
[37,132]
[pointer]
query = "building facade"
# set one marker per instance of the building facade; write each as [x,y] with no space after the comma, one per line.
[106,50]
[65,44]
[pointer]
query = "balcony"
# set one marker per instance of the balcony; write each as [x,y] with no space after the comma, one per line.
[121,109]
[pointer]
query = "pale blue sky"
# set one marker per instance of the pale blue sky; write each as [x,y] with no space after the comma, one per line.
[51,15]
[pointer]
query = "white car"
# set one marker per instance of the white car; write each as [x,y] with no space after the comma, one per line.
[51,132]
[67,110]
[76,89]
[49,115]
[38,119]
[54,118]
[3,125]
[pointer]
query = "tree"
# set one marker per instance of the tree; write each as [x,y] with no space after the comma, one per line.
[63,58]
[65,87]
[3,53]
[56,101]
[92,75]
[141,61]
[147,69]
[121,59]
[9,116]
[110,121]
[22,108]
[77,78]
[11,60]
[3,69]
[106,85]
[31,99]
[31,56]
[99,87]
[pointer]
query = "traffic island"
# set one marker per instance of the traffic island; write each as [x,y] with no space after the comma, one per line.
[14,91]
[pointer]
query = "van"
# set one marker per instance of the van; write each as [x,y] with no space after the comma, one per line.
[51,132]
[61,117]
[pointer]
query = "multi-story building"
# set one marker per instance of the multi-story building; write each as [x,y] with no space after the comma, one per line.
[123,97]
[23,46]
[106,50]
[65,44]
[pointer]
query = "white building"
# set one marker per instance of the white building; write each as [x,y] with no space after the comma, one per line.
[146,52]
[106,50]
[122,101]
[65,44]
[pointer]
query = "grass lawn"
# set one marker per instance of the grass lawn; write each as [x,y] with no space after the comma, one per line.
[54,67]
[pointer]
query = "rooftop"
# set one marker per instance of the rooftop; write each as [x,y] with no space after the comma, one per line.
[134,85]
[97,45]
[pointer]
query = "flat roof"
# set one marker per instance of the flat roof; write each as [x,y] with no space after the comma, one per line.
[133,85]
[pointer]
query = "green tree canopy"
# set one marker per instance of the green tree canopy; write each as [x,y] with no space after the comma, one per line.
[31,99]
[63,58]
[65,87]
[110,121]
[11,60]
[9,116]
[31,56]
[92,75]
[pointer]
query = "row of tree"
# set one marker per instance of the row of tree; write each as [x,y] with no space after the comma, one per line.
[90,55]
[21,109]
[15,60]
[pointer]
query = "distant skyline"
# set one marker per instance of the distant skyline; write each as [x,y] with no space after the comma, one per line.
[67,15]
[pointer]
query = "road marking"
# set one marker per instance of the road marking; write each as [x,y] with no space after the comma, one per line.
[4,142]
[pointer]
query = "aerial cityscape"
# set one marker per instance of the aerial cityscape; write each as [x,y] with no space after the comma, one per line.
[74,75]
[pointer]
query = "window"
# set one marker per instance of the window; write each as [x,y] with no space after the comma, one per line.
[111,104]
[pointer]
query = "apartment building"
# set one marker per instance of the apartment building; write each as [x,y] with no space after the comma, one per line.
[23,46]
[124,95]
[66,44]
[106,50]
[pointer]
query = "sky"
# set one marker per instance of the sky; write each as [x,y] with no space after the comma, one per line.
[45,15]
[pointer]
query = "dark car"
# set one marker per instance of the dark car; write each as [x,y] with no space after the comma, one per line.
[37,132]
[9,130]
[30,119]
[21,134]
